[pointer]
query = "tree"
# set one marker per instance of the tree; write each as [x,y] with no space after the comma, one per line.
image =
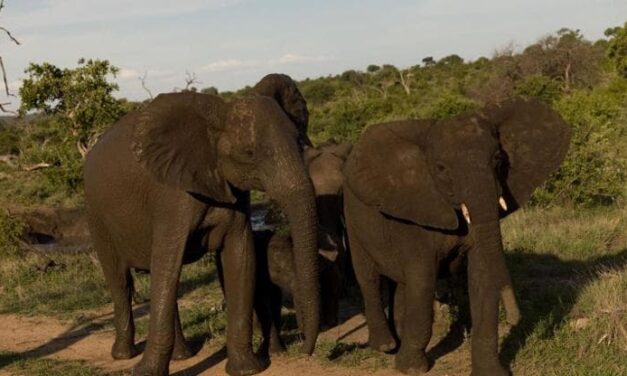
[373,68]
[81,98]
[617,48]
[2,70]
[428,61]
[565,56]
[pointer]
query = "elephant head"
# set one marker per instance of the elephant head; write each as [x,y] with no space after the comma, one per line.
[325,164]
[283,89]
[216,150]
[462,175]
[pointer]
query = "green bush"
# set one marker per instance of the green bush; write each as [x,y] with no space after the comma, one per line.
[593,172]
[449,105]
[539,86]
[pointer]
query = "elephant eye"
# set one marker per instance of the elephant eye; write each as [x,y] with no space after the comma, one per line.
[441,167]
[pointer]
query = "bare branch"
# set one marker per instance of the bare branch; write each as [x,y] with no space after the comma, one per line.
[10,35]
[2,70]
[38,166]
[5,110]
[190,79]
[4,78]
[142,79]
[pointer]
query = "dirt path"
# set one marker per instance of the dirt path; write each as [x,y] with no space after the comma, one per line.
[48,337]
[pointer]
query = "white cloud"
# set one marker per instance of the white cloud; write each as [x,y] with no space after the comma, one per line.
[290,58]
[126,73]
[239,65]
[229,65]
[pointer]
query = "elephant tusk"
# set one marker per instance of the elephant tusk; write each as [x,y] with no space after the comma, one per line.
[466,213]
[503,203]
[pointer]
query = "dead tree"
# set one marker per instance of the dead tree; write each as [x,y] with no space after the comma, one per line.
[2,70]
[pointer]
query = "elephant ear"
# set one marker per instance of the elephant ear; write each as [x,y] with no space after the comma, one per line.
[535,139]
[388,170]
[176,138]
[283,89]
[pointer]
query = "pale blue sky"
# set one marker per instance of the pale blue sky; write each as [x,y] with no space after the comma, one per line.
[232,43]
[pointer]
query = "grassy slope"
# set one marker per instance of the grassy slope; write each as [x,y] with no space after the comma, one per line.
[569,267]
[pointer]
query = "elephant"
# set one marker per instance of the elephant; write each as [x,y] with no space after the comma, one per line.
[170,182]
[419,193]
[277,272]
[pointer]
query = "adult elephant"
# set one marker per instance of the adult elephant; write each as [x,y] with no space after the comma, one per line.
[417,193]
[169,182]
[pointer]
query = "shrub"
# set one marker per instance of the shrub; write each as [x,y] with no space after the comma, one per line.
[593,172]
[449,105]
[539,86]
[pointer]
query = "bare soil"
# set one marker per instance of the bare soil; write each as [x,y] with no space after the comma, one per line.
[46,337]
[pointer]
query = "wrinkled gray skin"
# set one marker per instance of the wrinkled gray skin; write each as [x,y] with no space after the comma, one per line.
[170,182]
[406,184]
[324,165]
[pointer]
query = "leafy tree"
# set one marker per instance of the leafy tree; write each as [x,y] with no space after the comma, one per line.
[593,172]
[428,61]
[373,68]
[318,91]
[565,56]
[539,86]
[81,98]
[617,48]
[449,105]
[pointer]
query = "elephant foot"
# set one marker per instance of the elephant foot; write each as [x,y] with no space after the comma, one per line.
[182,351]
[124,350]
[494,370]
[150,368]
[412,362]
[381,340]
[245,363]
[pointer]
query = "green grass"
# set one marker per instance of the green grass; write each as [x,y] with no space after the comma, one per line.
[17,365]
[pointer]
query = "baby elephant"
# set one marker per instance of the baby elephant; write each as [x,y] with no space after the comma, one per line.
[276,274]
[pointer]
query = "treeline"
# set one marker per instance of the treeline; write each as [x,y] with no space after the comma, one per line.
[586,81]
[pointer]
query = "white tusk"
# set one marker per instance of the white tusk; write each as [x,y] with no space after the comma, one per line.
[466,213]
[503,203]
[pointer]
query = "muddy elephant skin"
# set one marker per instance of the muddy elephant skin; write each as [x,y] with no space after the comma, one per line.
[417,193]
[170,182]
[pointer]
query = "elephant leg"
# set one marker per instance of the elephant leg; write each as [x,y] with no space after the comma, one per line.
[120,283]
[398,309]
[238,263]
[268,310]
[182,349]
[275,304]
[330,285]
[165,269]
[417,323]
[379,336]
[484,308]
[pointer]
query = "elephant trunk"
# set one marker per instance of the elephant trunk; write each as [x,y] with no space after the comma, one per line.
[294,193]
[489,257]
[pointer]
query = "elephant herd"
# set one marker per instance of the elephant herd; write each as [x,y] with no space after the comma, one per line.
[410,201]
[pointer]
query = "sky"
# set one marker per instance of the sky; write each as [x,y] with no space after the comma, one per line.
[233,43]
